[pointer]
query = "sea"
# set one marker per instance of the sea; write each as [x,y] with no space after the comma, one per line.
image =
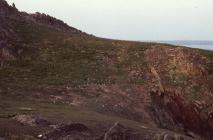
[206,45]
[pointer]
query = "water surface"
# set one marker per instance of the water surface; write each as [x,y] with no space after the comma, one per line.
[207,45]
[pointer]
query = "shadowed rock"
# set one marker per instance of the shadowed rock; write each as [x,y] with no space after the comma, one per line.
[31,120]
[119,132]
[67,131]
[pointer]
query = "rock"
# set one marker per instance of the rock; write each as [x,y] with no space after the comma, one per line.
[119,132]
[2,138]
[65,130]
[191,134]
[156,75]
[7,35]
[31,120]
[174,137]
[190,116]
[52,22]
[73,127]
[40,136]
[7,115]
[6,9]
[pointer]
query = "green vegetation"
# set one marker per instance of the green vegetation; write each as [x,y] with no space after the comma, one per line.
[111,79]
[50,57]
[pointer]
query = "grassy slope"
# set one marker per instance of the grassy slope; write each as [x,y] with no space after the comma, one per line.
[48,53]
[50,59]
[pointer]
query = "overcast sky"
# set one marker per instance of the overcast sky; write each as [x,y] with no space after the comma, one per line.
[131,19]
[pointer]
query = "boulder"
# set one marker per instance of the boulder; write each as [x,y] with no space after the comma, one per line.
[67,131]
[119,132]
[31,120]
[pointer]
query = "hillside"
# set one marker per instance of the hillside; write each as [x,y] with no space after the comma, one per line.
[57,82]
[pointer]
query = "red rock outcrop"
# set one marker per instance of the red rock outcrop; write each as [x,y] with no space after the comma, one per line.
[195,116]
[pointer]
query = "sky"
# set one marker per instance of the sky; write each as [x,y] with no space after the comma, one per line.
[131,19]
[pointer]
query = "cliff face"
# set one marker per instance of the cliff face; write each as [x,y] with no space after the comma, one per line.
[186,96]
[184,76]
[195,116]
[108,89]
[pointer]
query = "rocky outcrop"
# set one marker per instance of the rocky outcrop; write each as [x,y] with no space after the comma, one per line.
[8,36]
[173,61]
[67,131]
[8,40]
[52,22]
[154,72]
[10,18]
[182,99]
[5,55]
[6,9]
[192,116]
[31,120]
[119,132]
